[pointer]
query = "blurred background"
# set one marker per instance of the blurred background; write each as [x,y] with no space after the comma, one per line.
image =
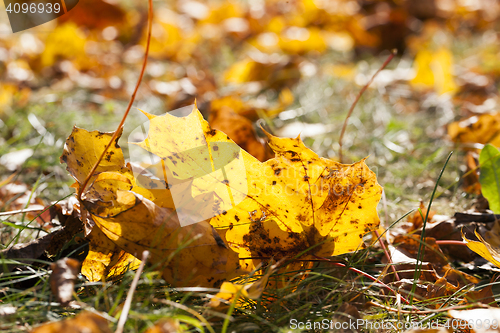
[293,67]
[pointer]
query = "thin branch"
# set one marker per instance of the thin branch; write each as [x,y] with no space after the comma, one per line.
[450,242]
[387,255]
[27,210]
[374,279]
[132,98]
[387,61]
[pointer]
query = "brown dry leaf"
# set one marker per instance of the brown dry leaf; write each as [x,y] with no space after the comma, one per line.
[226,119]
[416,217]
[62,280]
[471,178]
[85,322]
[94,14]
[26,252]
[432,251]
[484,296]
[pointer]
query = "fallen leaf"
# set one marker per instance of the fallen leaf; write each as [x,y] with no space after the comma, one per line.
[484,295]
[66,41]
[483,248]
[434,70]
[431,251]
[239,129]
[94,14]
[278,208]
[62,280]
[482,129]
[232,292]
[271,75]
[25,253]
[417,219]
[489,177]
[471,177]
[85,322]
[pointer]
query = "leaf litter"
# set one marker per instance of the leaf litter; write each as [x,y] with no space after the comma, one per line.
[118,194]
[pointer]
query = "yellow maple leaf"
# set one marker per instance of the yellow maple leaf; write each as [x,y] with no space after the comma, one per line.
[277,208]
[281,208]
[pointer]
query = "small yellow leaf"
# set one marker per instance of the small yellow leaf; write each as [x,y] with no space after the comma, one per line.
[67,41]
[434,70]
[483,248]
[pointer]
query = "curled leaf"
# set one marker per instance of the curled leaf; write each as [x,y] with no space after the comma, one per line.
[483,248]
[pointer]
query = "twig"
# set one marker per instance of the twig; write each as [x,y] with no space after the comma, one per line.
[389,260]
[450,242]
[374,279]
[132,98]
[130,295]
[19,211]
[387,61]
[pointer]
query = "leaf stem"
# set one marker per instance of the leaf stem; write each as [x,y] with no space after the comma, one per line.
[132,98]
[374,279]
[387,255]
[386,62]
